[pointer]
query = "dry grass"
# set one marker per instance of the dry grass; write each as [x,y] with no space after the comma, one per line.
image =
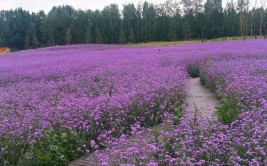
[183,42]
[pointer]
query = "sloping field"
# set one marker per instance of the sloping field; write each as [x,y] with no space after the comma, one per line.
[59,103]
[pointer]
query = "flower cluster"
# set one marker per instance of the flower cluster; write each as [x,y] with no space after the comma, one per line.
[59,103]
[97,91]
[236,72]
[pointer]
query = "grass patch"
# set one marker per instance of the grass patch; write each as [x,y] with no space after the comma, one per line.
[183,42]
[164,43]
[56,147]
[228,110]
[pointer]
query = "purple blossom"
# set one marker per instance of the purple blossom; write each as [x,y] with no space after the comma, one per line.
[106,93]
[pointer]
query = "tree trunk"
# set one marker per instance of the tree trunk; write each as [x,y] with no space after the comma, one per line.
[251,31]
[261,25]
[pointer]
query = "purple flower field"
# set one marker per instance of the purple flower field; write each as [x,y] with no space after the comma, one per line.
[59,103]
[236,72]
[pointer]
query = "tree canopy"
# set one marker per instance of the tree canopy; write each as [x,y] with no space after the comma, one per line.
[169,21]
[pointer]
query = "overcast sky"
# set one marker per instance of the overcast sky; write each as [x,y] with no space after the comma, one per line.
[46,5]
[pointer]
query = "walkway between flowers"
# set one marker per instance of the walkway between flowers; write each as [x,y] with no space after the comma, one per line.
[200,100]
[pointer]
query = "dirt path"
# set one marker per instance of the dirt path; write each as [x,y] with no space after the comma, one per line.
[200,98]
[145,138]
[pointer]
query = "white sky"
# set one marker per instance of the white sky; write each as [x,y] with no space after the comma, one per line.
[46,5]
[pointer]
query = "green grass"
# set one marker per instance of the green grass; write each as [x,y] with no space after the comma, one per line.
[183,42]
[228,110]
[164,43]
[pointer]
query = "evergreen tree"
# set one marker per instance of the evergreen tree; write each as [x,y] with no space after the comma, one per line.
[35,42]
[168,21]
[122,38]
[263,3]
[131,37]
[88,35]
[99,38]
[68,37]
[186,31]
[214,17]
[27,41]
[129,21]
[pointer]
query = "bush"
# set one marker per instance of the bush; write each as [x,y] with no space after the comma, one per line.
[57,147]
[228,110]
[193,70]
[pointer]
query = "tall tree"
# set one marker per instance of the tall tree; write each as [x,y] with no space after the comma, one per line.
[263,3]
[68,37]
[58,21]
[111,17]
[230,19]
[168,21]
[242,12]
[81,20]
[122,38]
[214,17]
[129,21]
[139,33]
[252,17]
[88,37]
[35,41]
[14,28]
[192,11]
[99,38]
[162,22]
[149,19]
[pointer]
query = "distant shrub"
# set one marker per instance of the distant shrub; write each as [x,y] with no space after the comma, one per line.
[193,70]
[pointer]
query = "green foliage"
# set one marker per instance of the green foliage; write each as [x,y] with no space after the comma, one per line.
[88,38]
[193,70]
[202,80]
[35,42]
[68,37]
[178,112]
[145,22]
[122,38]
[203,74]
[168,147]
[228,109]
[99,38]
[241,151]
[57,147]
[156,134]
[11,150]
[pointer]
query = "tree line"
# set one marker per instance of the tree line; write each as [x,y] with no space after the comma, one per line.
[169,21]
